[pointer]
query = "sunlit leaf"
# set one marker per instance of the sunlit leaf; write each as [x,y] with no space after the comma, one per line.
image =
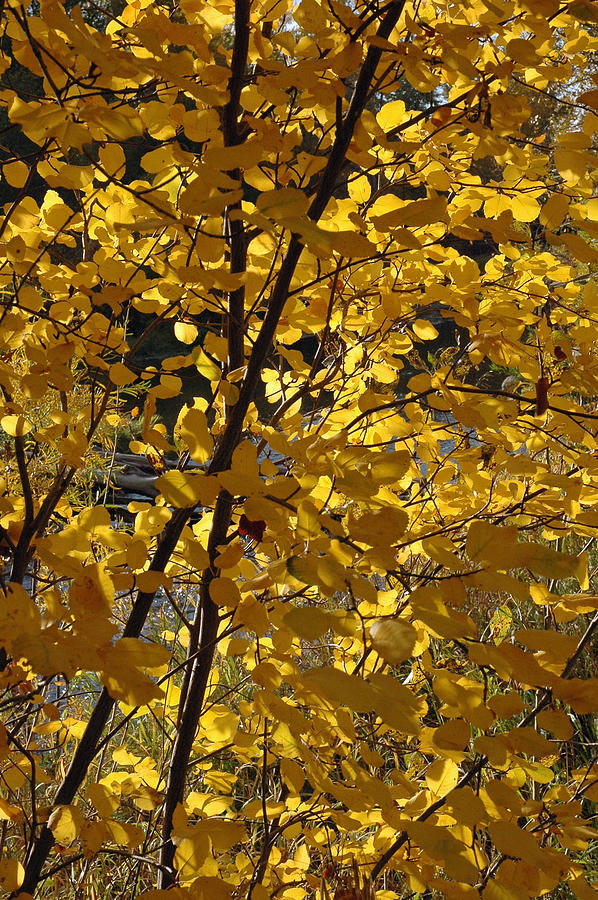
[65,823]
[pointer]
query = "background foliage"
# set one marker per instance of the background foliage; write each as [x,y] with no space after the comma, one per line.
[331,266]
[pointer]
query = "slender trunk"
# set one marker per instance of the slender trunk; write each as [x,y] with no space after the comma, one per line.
[206,622]
[87,748]
[191,711]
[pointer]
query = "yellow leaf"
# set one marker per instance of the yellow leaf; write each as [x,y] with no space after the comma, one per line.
[584,10]
[425,331]
[582,890]
[204,365]
[9,813]
[226,159]
[120,375]
[16,173]
[391,114]
[124,833]
[11,874]
[444,621]
[104,799]
[134,652]
[514,841]
[311,16]
[252,614]
[131,687]
[389,467]
[554,211]
[466,807]
[380,526]
[570,164]
[360,189]
[308,622]
[413,214]
[224,592]
[229,555]
[186,490]
[292,774]
[243,477]
[308,520]
[283,203]
[556,721]
[185,332]
[442,776]
[15,426]
[192,429]
[191,855]
[339,687]
[523,52]
[393,639]
[452,738]
[494,890]
[440,844]
[65,823]
[524,207]
[92,835]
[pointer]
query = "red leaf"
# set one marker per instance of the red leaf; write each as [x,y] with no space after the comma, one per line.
[253,530]
[560,353]
[542,403]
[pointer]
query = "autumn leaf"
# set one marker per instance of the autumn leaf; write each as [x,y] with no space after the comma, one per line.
[542,402]
[326,608]
[253,529]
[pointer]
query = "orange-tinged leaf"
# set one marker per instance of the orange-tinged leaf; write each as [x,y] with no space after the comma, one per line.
[441,116]
[542,402]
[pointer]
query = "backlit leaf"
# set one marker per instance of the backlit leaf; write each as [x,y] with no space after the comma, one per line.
[393,639]
[65,823]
